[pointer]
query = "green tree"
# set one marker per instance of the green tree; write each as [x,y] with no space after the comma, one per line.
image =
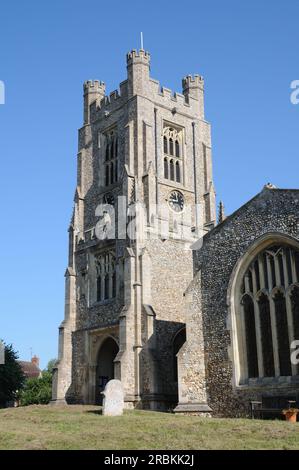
[51,365]
[11,376]
[38,390]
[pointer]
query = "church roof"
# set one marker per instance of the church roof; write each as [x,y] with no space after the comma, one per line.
[268,188]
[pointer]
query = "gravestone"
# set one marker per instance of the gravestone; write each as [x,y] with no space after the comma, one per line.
[113,402]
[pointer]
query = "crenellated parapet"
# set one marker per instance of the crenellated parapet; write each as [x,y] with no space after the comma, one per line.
[94,86]
[98,105]
[136,57]
[190,82]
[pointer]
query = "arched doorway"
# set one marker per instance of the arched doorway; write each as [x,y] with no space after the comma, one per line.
[178,341]
[105,366]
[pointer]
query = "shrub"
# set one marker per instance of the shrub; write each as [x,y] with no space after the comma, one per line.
[38,390]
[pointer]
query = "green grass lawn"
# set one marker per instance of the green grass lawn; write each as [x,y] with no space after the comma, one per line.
[83,427]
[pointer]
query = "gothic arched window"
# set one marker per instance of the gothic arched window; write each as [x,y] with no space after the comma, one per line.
[106,276]
[268,310]
[173,152]
[111,158]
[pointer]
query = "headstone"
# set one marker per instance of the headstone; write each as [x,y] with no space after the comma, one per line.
[113,402]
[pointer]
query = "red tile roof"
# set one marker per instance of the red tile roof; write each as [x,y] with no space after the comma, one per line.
[30,369]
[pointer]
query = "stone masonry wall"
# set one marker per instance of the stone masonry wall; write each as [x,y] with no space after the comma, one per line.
[273,210]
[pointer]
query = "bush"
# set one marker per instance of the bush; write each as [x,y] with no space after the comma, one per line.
[38,390]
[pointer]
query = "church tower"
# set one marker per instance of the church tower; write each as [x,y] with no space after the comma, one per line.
[144,195]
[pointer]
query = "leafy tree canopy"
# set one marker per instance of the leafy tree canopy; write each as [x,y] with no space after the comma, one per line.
[11,375]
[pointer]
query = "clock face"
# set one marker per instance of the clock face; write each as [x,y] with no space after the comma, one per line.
[176,201]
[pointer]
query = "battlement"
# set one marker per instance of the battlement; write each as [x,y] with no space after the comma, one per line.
[190,81]
[138,56]
[98,105]
[94,86]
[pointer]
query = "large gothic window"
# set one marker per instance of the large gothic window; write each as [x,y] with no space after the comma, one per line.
[106,276]
[269,314]
[111,158]
[173,151]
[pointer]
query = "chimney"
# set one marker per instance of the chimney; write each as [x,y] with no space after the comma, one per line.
[35,360]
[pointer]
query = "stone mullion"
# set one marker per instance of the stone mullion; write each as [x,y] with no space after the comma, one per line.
[270,281]
[285,269]
[274,336]
[277,272]
[261,272]
[258,338]
[254,280]
[247,288]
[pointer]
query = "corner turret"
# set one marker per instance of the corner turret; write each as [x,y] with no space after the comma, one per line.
[138,66]
[193,87]
[94,90]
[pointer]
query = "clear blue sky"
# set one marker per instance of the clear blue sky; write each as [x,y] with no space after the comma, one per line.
[248,54]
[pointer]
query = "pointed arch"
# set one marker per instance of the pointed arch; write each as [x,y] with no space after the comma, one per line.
[105,365]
